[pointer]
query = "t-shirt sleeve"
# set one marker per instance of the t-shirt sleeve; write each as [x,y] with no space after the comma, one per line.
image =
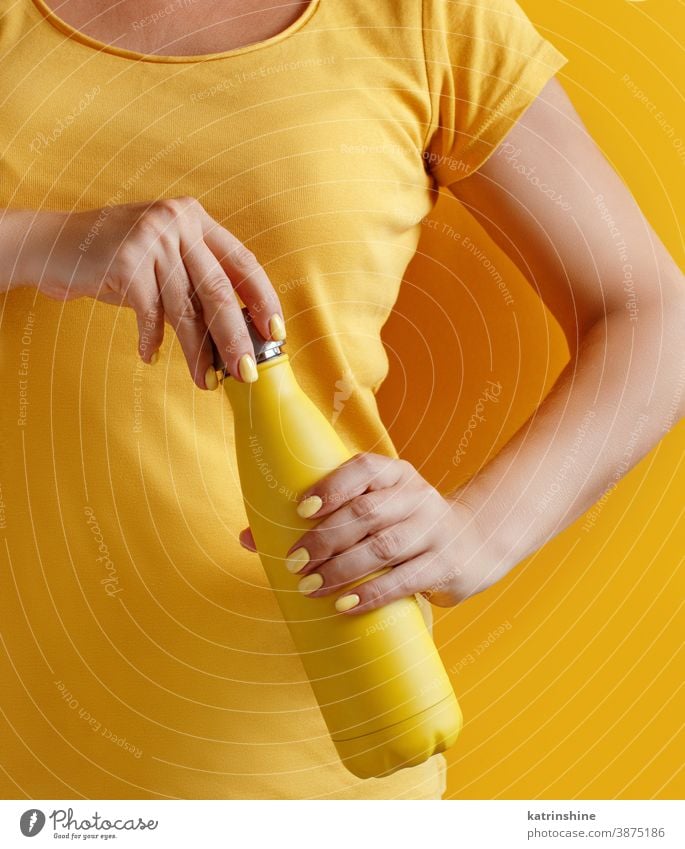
[485,63]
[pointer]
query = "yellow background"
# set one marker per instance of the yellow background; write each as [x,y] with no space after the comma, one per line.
[569,672]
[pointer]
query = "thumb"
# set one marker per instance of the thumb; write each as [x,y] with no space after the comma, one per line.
[246,539]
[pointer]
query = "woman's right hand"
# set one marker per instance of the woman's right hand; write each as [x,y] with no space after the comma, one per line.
[167,260]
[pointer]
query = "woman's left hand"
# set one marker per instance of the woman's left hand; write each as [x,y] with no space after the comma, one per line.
[374,512]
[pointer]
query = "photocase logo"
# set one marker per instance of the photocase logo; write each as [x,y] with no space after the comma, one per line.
[344,388]
[32,822]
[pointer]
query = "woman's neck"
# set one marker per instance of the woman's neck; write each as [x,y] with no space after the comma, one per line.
[179,27]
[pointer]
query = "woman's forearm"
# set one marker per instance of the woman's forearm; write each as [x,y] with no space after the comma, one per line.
[10,239]
[26,237]
[609,407]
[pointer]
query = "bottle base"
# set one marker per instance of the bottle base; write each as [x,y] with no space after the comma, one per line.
[404,744]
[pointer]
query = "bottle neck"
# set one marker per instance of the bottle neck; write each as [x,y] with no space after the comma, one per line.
[264,349]
[276,381]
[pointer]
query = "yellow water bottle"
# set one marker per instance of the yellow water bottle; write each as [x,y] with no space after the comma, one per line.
[377,676]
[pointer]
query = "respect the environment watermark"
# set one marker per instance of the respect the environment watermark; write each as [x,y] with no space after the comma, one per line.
[241,77]
[116,199]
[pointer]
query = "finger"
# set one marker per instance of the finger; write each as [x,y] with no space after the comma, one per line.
[389,547]
[413,576]
[151,331]
[222,313]
[183,311]
[360,473]
[359,518]
[142,295]
[246,539]
[249,279]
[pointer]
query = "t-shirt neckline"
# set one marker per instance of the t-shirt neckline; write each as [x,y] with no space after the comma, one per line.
[102,47]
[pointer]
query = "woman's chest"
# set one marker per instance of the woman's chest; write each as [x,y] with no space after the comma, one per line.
[275,142]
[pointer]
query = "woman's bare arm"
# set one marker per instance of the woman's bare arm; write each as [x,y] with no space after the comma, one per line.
[550,199]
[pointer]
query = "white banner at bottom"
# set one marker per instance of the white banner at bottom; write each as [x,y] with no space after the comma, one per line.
[334,824]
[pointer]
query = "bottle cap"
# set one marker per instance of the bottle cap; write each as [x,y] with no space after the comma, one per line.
[265,349]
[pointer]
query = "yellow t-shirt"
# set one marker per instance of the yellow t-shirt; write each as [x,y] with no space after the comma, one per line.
[142,652]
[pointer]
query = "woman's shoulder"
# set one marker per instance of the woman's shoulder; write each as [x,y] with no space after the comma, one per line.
[395,19]
[382,13]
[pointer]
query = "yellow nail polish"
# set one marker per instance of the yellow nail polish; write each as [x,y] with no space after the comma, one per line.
[310,583]
[248,369]
[154,358]
[346,602]
[297,560]
[277,328]
[211,381]
[309,506]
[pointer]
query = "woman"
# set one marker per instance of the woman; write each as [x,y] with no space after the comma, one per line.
[157,161]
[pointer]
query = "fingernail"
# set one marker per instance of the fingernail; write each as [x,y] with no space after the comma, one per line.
[297,560]
[211,381]
[309,506]
[154,358]
[277,328]
[346,602]
[247,369]
[310,583]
